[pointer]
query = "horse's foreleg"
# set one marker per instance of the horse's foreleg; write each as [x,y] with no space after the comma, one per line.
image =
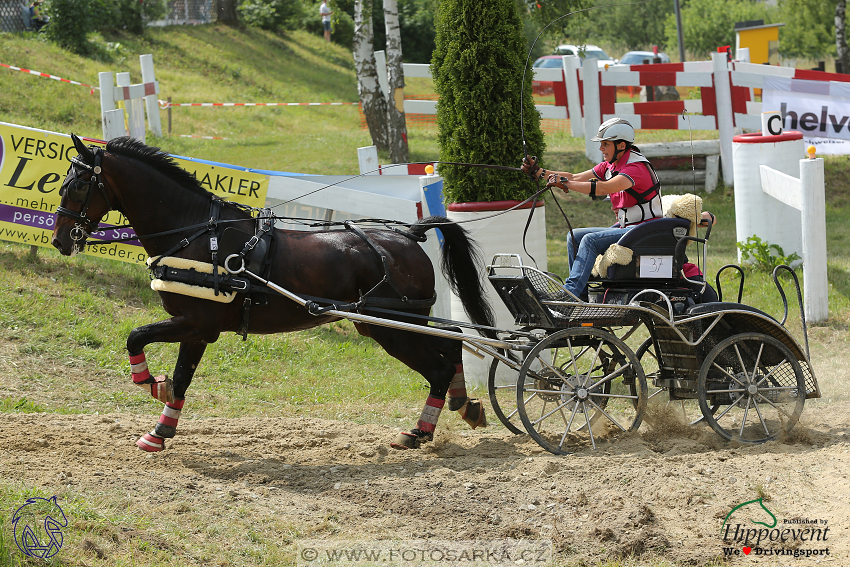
[193,342]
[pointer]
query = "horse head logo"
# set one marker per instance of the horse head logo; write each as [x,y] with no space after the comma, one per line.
[38,527]
[753,509]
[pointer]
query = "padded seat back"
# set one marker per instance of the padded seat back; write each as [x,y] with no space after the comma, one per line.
[653,245]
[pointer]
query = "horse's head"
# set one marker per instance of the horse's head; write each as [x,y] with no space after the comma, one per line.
[84,200]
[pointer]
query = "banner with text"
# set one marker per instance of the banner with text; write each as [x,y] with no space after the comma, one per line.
[818,109]
[33,164]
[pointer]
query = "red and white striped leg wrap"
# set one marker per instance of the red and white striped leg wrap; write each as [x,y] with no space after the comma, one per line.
[151,442]
[160,387]
[424,430]
[171,413]
[457,389]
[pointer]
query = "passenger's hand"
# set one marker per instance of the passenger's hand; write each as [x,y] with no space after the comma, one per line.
[557,181]
[530,166]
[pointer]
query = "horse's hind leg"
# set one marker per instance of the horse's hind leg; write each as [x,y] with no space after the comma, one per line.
[437,359]
[471,410]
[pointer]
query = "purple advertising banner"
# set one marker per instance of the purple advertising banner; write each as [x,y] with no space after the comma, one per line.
[45,220]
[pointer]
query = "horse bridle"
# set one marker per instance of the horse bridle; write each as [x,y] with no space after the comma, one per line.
[80,191]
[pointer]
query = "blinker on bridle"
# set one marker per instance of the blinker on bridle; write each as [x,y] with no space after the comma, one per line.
[80,191]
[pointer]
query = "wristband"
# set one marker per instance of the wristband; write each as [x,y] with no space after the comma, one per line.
[542,174]
[593,189]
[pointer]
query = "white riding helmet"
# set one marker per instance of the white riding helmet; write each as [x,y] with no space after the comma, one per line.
[615,129]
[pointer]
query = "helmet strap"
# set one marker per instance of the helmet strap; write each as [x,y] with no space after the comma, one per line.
[617,151]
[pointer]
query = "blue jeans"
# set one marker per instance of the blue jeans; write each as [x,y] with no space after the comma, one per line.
[592,242]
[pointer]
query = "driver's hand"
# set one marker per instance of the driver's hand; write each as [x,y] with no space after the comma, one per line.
[530,166]
[557,181]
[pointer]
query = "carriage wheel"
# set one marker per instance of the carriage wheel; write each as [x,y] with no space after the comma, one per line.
[503,396]
[689,410]
[759,381]
[577,386]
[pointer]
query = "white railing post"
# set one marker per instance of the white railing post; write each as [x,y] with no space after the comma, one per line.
[113,124]
[572,63]
[725,125]
[107,101]
[816,286]
[151,100]
[592,108]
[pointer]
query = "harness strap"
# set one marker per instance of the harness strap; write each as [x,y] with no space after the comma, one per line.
[386,279]
[215,213]
[185,242]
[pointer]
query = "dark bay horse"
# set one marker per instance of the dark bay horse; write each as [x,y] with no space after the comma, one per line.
[165,205]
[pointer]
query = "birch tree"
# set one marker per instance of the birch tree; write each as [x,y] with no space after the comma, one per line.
[841,48]
[371,96]
[396,126]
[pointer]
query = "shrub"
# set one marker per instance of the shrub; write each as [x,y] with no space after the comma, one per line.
[477,68]
[70,23]
[764,257]
[271,14]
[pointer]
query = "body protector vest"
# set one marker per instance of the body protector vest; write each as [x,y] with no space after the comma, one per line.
[647,204]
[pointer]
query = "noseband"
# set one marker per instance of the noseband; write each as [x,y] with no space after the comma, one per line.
[80,191]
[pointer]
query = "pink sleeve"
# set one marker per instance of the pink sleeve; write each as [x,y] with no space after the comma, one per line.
[599,171]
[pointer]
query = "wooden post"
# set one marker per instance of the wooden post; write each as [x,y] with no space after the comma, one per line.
[813,214]
[592,109]
[725,124]
[107,99]
[151,101]
[572,66]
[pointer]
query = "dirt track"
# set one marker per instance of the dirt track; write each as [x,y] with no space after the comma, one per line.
[660,493]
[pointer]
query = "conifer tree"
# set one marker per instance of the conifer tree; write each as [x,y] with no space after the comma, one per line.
[477,68]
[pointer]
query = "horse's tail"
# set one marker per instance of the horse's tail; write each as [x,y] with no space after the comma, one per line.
[462,264]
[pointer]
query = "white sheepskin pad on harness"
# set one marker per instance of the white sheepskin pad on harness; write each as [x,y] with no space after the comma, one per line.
[687,206]
[615,254]
[186,289]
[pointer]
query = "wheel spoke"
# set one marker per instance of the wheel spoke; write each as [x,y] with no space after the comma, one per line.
[655,393]
[744,419]
[542,417]
[623,396]
[606,414]
[732,405]
[761,417]
[723,370]
[589,428]
[743,366]
[736,391]
[789,416]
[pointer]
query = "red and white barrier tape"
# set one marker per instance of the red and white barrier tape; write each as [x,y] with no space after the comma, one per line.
[48,76]
[166,104]
[201,137]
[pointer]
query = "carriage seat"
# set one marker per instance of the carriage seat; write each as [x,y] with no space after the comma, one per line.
[649,249]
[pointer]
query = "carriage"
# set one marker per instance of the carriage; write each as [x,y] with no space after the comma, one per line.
[725,364]
[573,377]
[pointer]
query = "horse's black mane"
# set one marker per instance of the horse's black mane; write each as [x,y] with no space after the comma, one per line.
[157,159]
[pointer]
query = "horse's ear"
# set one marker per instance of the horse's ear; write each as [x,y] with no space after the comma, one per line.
[84,152]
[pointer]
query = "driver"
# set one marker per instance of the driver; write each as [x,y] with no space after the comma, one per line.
[626,177]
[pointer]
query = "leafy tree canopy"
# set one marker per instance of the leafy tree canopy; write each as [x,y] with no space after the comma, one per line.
[709,24]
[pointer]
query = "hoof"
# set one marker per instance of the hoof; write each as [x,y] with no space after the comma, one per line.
[411,440]
[472,412]
[160,388]
[151,443]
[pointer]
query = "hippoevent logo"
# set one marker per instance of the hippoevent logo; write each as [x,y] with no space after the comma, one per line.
[38,527]
[750,528]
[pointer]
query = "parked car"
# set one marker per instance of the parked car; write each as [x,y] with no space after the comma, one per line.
[638,57]
[586,52]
